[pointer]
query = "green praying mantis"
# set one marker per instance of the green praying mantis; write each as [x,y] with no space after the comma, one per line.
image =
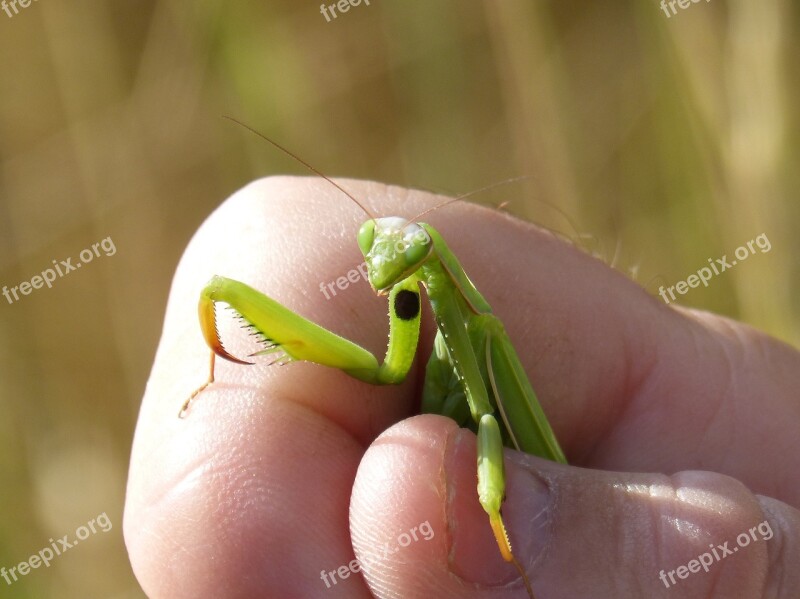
[473,375]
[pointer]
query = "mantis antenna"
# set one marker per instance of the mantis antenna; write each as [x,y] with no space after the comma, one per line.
[563,214]
[303,162]
[468,194]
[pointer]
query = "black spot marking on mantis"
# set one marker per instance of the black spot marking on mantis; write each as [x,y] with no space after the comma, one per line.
[406,304]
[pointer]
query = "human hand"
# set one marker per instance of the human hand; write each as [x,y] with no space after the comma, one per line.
[276,475]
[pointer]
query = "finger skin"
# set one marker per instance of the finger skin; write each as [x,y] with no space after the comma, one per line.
[579,533]
[249,495]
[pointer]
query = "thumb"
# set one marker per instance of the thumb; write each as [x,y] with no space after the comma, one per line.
[419,531]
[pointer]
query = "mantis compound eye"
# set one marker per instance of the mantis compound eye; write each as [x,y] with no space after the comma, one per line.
[418,250]
[366,235]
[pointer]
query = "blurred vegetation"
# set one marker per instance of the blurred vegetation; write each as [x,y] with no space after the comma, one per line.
[667,140]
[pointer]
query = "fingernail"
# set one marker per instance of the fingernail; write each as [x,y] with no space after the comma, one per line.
[474,555]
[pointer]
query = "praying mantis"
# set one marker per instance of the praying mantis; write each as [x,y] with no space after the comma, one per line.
[473,376]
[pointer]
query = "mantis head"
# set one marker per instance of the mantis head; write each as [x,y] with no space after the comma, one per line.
[393,249]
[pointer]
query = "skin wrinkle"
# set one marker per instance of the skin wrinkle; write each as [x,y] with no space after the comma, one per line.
[205,465]
[741,341]
[301,399]
[714,583]
[168,491]
[634,380]
[716,573]
[776,550]
[702,333]
[719,416]
[762,347]
[762,556]
[449,493]
[620,546]
[177,554]
[552,516]
[766,350]
[632,391]
[632,386]
[658,525]
[442,488]
[629,539]
[726,417]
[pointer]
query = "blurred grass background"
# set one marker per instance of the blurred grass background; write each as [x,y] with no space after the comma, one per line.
[667,140]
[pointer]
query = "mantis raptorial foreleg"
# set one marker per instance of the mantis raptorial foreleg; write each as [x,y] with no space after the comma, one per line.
[291,337]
